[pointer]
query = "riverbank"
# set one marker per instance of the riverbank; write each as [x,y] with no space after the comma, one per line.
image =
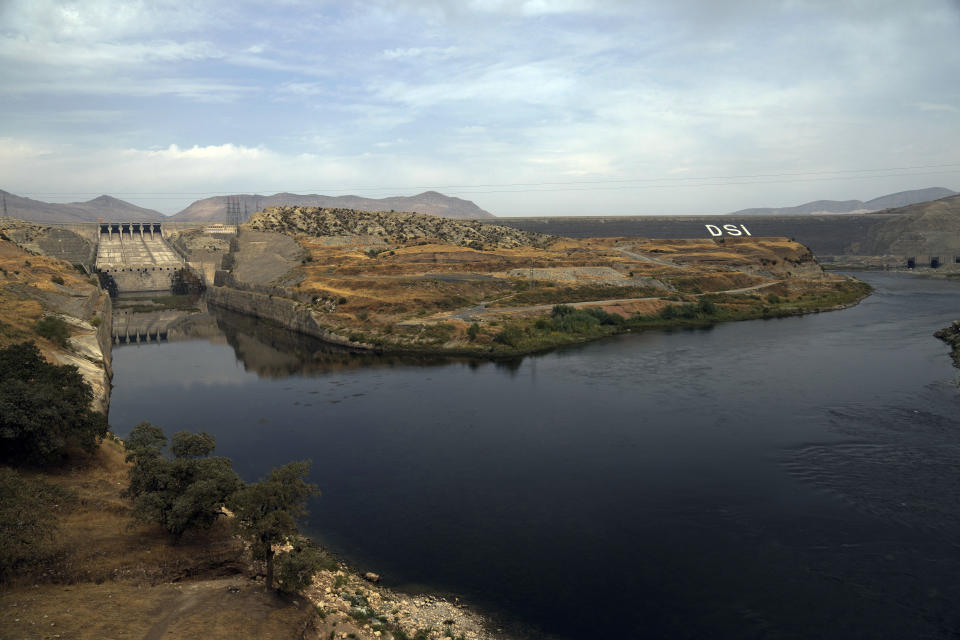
[510,333]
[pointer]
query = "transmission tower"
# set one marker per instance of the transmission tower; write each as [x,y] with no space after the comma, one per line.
[233,211]
[4,205]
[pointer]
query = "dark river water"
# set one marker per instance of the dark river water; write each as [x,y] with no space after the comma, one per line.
[790,478]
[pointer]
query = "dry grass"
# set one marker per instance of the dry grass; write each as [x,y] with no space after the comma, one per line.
[124,550]
[376,289]
[112,578]
[18,310]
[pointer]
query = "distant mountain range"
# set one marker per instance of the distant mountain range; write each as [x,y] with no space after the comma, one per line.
[900,199]
[105,207]
[214,209]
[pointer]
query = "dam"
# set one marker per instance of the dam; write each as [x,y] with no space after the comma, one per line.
[136,256]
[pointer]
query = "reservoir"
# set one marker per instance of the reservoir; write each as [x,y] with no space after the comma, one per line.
[788,478]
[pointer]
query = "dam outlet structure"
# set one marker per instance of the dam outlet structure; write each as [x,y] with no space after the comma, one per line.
[136,257]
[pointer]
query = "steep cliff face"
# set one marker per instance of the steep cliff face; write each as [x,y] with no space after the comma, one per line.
[90,348]
[285,312]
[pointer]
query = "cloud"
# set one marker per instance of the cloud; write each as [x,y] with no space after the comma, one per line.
[427,93]
[932,106]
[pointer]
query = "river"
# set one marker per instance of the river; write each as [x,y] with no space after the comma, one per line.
[787,478]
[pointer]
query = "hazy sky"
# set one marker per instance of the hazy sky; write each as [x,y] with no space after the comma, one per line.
[537,107]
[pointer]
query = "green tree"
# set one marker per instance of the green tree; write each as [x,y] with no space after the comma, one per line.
[182,492]
[44,408]
[267,511]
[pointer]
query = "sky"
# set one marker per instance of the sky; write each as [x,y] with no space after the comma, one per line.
[526,107]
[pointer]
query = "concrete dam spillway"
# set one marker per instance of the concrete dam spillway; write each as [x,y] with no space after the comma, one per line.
[136,256]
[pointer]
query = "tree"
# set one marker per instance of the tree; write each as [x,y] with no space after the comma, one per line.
[44,408]
[182,492]
[266,511]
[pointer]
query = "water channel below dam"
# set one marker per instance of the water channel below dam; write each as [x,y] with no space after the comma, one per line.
[788,478]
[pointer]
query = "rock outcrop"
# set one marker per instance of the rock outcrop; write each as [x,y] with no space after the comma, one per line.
[392,227]
[951,335]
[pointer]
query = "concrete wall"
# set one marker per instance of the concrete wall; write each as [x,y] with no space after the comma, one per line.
[824,235]
[287,313]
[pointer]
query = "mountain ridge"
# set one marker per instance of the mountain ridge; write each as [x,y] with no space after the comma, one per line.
[100,207]
[889,201]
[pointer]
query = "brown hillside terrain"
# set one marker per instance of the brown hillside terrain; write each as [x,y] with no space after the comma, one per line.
[927,229]
[401,281]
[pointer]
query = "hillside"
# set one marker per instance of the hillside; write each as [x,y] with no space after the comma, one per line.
[429,202]
[926,229]
[900,199]
[390,227]
[105,207]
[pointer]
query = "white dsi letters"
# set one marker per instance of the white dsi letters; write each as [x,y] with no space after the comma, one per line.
[728,229]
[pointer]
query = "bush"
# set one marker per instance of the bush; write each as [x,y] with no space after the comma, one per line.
[510,335]
[706,306]
[44,408]
[473,330]
[568,319]
[296,568]
[773,298]
[56,279]
[54,329]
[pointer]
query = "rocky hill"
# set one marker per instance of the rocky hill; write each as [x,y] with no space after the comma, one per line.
[926,229]
[391,227]
[900,199]
[105,207]
[429,202]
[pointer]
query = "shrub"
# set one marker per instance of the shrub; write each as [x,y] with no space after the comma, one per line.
[55,279]
[473,330]
[54,329]
[296,568]
[511,335]
[44,408]
[773,298]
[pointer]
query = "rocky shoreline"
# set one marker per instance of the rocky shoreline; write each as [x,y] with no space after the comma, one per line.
[354,606]
[951,335]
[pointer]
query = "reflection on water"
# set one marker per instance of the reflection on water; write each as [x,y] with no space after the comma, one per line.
[785,478]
